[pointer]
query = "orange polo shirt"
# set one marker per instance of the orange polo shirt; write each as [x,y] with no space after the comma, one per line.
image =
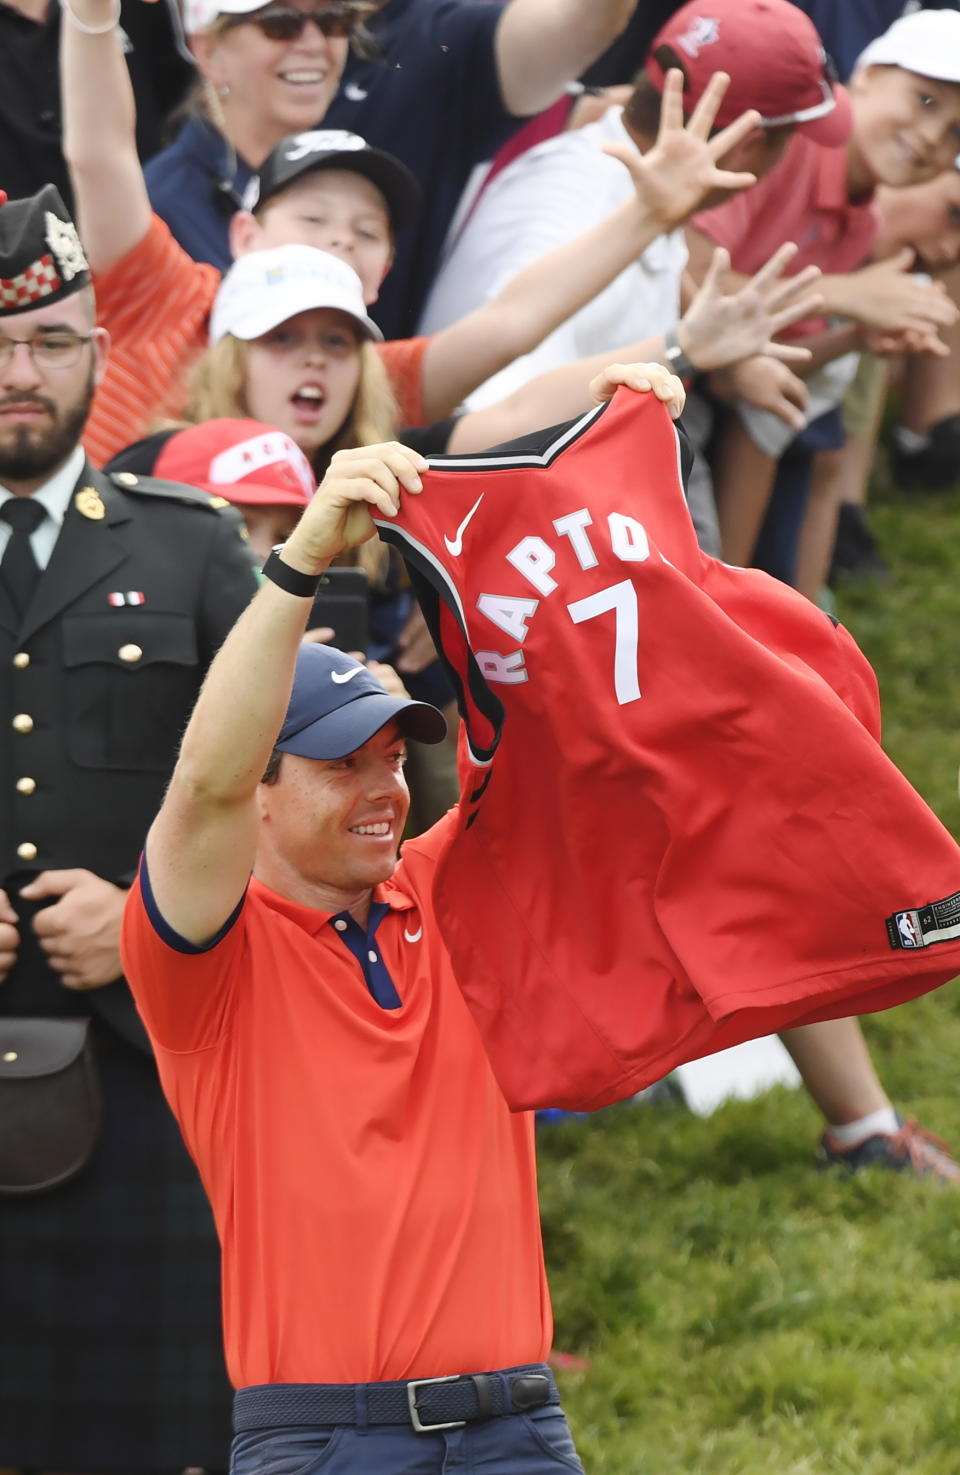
[805,199]
[375,1199]
[155,303]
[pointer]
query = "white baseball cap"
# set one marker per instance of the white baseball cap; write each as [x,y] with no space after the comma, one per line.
[926,42]
[199,14]
[264,288]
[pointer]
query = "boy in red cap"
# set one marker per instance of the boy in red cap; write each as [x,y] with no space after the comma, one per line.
[905,97]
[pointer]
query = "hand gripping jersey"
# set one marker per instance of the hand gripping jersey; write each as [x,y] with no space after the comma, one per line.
[678,829]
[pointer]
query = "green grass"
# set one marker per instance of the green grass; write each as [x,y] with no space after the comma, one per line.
[743,1314]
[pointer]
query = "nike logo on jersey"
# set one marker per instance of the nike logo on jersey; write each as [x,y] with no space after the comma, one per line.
[455,545]
[342,676]
[413,936]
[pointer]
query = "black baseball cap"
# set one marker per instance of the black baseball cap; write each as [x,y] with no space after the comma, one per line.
[337,705]
[334,148]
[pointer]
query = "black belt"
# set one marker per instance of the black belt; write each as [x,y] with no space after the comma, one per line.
[428,1404]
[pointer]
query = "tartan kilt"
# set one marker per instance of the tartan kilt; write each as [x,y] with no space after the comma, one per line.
[110,1343]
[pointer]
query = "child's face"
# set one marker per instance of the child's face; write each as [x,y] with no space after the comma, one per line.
[906,127]
[925,217]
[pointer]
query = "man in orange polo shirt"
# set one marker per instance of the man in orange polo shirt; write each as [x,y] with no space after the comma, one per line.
[385,1304]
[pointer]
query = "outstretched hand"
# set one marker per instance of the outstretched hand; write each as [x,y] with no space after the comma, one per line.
[719,329]
[676,176]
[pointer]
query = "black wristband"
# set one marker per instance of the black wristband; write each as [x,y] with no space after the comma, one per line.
[676,358]
[290,579]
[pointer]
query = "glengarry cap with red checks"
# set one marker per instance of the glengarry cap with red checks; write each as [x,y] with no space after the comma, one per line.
[41,258]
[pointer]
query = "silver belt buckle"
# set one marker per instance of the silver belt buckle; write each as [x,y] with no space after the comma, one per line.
[412,1388]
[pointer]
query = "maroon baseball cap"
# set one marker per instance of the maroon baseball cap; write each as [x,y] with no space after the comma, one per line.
[775,59]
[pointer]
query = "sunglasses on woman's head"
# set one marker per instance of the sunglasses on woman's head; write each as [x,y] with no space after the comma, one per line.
[286,23]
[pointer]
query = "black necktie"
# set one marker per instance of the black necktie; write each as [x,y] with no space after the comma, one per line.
[19,573]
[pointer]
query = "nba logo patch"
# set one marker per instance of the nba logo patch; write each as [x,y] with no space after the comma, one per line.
[907,929]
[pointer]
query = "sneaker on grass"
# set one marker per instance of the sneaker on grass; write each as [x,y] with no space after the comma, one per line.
[910,1150]
[856,553]
[931,462]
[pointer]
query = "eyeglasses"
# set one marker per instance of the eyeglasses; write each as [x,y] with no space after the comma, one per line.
[286,23]
[50,351]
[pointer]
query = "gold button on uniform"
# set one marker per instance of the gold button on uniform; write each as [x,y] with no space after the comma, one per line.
[21,660]
[10,1056]
[127,478]
[26,785]
[219,502]
[129,652]
[23,722]
[27,851]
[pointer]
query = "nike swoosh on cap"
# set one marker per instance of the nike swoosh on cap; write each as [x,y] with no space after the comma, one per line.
[455,544]
[341,676]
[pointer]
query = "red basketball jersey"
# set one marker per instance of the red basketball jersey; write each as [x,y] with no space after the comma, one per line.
[678,829]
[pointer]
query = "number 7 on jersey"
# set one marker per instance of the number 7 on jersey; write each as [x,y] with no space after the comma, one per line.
[622,599]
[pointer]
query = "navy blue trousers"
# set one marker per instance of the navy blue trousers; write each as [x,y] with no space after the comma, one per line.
[534,1443]
[776,551]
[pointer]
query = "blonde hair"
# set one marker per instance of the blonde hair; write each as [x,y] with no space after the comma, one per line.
[217,390]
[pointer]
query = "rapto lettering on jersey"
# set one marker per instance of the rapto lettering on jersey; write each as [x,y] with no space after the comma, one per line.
[535,560]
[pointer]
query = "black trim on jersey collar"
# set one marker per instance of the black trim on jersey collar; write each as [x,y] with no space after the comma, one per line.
[540,448]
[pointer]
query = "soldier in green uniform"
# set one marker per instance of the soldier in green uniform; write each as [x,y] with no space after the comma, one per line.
[115,593]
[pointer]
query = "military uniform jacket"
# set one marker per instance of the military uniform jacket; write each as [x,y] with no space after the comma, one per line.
[98,680]
[678,829]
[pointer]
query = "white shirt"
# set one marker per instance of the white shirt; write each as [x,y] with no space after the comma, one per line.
[55,497]
[545,198]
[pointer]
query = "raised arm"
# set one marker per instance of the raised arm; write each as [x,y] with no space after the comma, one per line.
[543,44]
[717,329]
[201,847]
[670,181]
[99,134]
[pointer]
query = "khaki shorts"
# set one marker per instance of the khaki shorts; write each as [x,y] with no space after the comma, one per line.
[864,402]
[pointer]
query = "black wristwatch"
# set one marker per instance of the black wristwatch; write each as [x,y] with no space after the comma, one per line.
[291,579]
[676,358]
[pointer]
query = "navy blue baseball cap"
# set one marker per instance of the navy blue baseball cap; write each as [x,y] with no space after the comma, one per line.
[337,705]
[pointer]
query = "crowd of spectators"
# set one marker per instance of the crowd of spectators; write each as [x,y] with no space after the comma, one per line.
[314,225]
